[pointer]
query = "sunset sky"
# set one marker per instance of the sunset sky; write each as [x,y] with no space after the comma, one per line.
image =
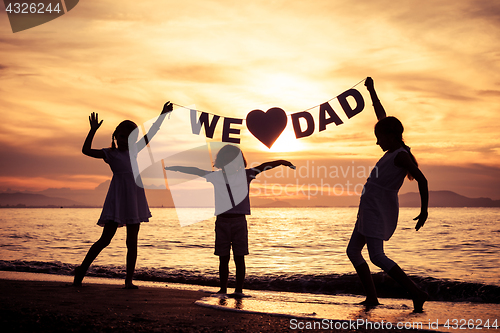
[436,66]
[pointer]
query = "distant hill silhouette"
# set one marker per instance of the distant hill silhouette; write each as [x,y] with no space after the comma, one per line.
[446,199]
[275,204]
[66,197]
[20,199]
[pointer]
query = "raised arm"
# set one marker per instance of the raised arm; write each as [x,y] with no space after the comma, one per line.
[143,142]
[403,160]
[87,145]
[379,109]
[270,165]
[189,170]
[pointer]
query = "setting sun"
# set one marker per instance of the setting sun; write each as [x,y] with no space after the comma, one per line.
[287,142]
[246,57]
[267,178]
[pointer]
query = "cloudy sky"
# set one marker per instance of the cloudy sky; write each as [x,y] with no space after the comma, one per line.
[436,66]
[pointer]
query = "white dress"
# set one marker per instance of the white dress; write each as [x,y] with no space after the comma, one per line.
[379,207]
[125,202]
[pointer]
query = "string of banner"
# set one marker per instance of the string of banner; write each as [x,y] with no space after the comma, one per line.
[268,126]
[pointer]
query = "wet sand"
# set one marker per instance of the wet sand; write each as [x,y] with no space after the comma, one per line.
[33,306]
[42,306]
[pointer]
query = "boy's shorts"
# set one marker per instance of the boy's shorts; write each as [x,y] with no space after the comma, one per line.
[231,232]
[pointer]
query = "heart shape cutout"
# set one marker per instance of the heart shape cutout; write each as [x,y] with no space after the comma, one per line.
[267,126]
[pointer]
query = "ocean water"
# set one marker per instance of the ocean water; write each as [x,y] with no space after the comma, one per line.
[454,256]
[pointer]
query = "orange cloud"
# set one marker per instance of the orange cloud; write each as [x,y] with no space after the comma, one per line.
[435,72]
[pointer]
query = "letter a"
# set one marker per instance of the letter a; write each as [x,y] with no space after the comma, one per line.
[323,121]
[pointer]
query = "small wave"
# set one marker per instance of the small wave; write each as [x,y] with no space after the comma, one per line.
[196,246]
[331,284]
[23,236]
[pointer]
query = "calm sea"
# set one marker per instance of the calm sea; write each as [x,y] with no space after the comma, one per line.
[301,249]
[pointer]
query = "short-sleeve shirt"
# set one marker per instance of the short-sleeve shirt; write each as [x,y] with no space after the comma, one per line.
[232,191]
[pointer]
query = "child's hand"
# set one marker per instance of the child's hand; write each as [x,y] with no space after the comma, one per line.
[94,121]
[168,107]
[288,164]
[422,217]
[369,83]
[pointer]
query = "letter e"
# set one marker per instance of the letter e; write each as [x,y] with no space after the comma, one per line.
[227,130]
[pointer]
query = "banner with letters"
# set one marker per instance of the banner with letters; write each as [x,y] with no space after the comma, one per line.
[267,126]
[186,141]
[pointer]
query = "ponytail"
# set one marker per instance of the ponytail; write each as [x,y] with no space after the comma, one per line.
[113,145]
[412,157]
[126,126]
[392,126]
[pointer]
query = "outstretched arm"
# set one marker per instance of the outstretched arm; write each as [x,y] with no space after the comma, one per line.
[403,160]
[143,142]
[87,145]
[379,109]
[189,170]
[270,165]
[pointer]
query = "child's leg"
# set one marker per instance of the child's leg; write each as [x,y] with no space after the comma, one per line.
[108,232]
[223,273]
[418,295]
[239,261]
[378,257]
[239,242]
[223,250]
[365,276]
[132,235]
[356,244]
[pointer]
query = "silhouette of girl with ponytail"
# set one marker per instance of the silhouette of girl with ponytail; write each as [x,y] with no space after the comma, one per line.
[125,203]
[379,208]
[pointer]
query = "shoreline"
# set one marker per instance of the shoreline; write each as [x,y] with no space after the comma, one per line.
[44,306]
[442,290]
[34,302]
[55,306]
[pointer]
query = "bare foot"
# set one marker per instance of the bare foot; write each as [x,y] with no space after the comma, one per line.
[130,286]
[238,294]
[79,275]
[370,302]
[418,303]
[222,291]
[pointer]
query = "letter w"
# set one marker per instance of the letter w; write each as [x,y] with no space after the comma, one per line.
[203,120]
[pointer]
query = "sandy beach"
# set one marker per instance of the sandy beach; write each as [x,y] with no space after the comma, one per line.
[33,306]
[40,306]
